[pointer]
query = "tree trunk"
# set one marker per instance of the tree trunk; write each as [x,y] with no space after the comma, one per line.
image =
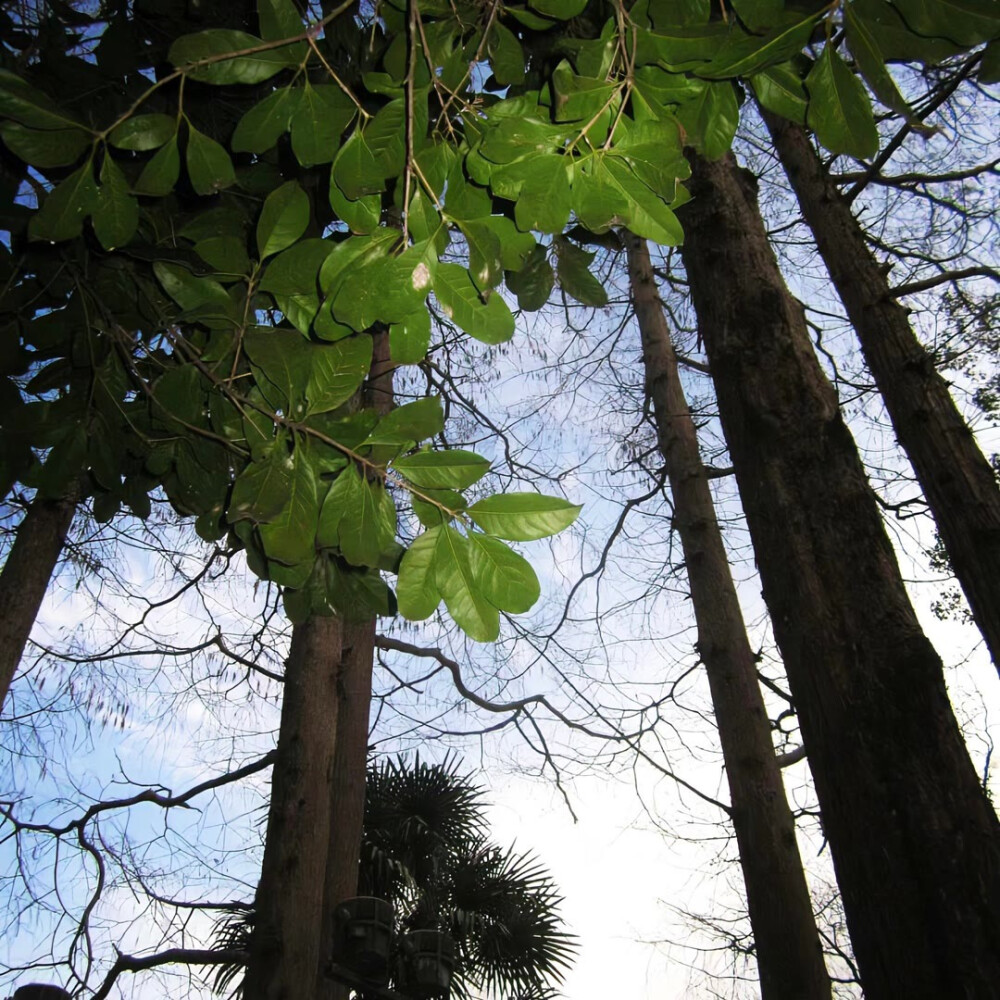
[957,481]
[30,563]
[789,956]
[354,693]
[286,947]
[915,841]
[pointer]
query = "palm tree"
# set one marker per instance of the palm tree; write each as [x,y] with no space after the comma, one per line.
[426,850]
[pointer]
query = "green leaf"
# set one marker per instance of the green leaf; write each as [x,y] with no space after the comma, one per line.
[215,47]
[409,424]
[383,288]
[491,322]
[342,501]
[410,338]
[300,310]
[780,89]
[278,19]
[295,271]
[226,254]
[523,517]
[839,110]
[371,529]
[435,507]
[598,203]
[261,491]
[160,174]
[361,215]
[355,170]
[281,360]
[45,147]
[506,55]
[261,127]
[385,136]
[142,133]
[561,10]
[989,67]
[208,163]
[317,123]
[575,278]
[648,215]
[505,578]
[435,470]
[871,62]
[759,14]
[30,107]
[964,22]
[66,207]
[190,291]
[580,99]
[117,215]
[336,372]
[710,119]
[283,219]
[741,55]
[485,254]
[533,283]
[417,592]
[466,603]
[544,202]
[515,247]
[289,538]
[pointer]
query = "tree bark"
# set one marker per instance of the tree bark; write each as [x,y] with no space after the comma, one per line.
[915,841]
[956,479]
[286,947]
[30,564]
[354,692]
[789,956]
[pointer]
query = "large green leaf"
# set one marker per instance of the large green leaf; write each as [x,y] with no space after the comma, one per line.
[209,56]
[336,372]
[543,204]
[29,106]
[45,147]
[533,283]
[839,110]
[575,277]
[283,219]
[261,127]
[466,603]
[742,54]
[282,364]
[410,338]
[523,517]
[355,169]
[342,501]
[188,290]
[647,215]
[66,206]
[117,216]
[261,490]
[505,578]
[160,174]
[871,62]
[410,423]
[371,530]
[964,22]
[278,19]
[322,114]
[417,592]
[295,271]
[289,538]
[453,469]
[208,163]
[780,89]
[142,133]
[491,322]
[710,119]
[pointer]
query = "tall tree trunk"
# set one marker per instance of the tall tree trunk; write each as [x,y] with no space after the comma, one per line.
[354,692]
[789,956]
[30,563]
[915,841]
[957,481]
[286,947]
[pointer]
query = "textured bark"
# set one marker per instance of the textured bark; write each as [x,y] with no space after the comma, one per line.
[789,956]
[956,479]
[354,692]
[915,842]
[25,578]
[286,946]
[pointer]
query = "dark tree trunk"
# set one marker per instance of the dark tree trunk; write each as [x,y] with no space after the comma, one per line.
[915,841]
[789,956]
[957,481]
[354,693]
[286,947]
[30,563]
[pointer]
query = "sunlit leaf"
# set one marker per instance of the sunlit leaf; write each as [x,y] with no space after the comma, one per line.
[211,57]
[505,578]
[466,603]
[839,110]
[523,517]
[417,592]
[208,163]
[283,219]
[452,469]
[143,132]
[66,206]
[491,322]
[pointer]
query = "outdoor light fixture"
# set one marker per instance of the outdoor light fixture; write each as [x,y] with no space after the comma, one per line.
[39,991]
[428,964]
[362,937]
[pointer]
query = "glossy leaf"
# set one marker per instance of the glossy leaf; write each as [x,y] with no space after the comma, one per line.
[839,111]
[209,167]
[278,19]
[226,254]
[66,206]
[142,133]
[343,500]
[117,215]
[410,338]
[417,592]
[45,147]
[261,127]
[491,322]
[466,603]
[283,219]
[29,106]
[780,89]
[575,278]
[871,62]
[209,56]
[741,54]
[160,174]
[336,372]
[710,119]
[371,528]
[355,170]
[261,491]
[320,117]
[289,538]
[453,469]
[523,517]
[534,282]
[410,423]
[296,270]
[434,507]
[505,578]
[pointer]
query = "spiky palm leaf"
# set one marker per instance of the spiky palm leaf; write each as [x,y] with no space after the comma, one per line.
[425,850]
